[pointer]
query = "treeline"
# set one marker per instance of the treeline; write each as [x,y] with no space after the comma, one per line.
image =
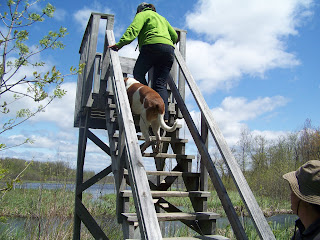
[264,162]
[39,171]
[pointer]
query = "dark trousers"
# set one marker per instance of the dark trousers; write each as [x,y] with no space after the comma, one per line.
[159,56]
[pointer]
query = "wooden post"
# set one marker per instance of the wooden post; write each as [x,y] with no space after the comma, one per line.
[82,144]
[182,50]
[203,170]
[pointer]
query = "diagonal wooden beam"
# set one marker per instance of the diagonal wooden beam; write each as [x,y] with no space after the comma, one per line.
[170,208]
[98,142]
[214,175]
[89,221]
[94,179]
[244,190]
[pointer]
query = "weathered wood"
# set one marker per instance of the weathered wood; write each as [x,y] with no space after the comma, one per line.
[204,237]
[157,194]
[182,50]
[78,107]
[132,217]
[168,155]
[89,221]
[149,226]
[245,192]
[82,144]
[88,28]
[98,142]
[165,139]
[127,64]
[203,170]
[96,79]
[96,178]
[195,224]
[172,173]
[217,182]
[89,67]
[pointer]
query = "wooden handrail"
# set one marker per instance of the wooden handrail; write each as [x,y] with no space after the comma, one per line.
[148,222]
[244,190]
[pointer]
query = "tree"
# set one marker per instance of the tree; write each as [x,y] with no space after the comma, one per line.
[259,155]
[244,144]
[17,55]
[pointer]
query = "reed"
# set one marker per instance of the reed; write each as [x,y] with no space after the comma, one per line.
[48,214]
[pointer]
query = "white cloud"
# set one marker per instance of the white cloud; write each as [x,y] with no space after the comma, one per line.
[82,15]
[232,114]
[242,37]
[60,14]
[240,109]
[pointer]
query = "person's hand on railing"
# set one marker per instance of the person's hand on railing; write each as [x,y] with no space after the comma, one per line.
[114,47]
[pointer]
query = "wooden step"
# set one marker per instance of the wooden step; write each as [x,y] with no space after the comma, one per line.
[175,216]
[165,139]
[153,138]
[205,237]
[157,194]
[168,155]
[169,173]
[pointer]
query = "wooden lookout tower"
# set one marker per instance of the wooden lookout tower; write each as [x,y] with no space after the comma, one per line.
[102,103]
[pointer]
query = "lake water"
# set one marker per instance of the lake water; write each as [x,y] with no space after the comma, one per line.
[96,190]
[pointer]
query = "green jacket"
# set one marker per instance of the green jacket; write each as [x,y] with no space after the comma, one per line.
[150,28]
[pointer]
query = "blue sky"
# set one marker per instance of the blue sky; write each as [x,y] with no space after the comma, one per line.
[256,63]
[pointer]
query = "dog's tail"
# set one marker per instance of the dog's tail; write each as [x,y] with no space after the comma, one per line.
[165,126]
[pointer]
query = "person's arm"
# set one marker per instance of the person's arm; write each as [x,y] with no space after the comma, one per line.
[173,34]
[131,33]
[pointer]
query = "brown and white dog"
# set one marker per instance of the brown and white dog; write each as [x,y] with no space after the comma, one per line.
[147,103]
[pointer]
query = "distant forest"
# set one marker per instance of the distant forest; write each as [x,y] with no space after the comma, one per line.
[40,171]
[263,162]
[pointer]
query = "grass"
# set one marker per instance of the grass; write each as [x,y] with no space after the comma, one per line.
[48,214]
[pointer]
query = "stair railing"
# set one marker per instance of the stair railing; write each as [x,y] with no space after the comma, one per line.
[244,190]
[148,222]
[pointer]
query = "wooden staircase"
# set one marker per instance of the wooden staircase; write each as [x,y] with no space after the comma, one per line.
[102,103]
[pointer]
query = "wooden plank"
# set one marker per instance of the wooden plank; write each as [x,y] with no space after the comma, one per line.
[78,106]
[149,226]
[174,216]
[173,173]
[82,144]
[89,67]
[88,28]
[205,237]
[203,170]
[127,64]
[96,79]
[165,139]
[182,81]
[94,179]
[205,156]
[168,155]
[246,194]
[168,207]
[157,194]
[89,221]
[98,142]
